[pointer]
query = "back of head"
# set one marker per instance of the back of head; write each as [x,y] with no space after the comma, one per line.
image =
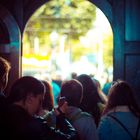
[90,91]
[25,86]
[91,96]
[73,91]
[87,83]
[121,94]
[4,70]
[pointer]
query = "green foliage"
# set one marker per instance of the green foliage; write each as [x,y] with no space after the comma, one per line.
[79,50]
[73,17]
[108,51]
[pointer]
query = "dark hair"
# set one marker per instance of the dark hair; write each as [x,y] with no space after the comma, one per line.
[91,97]
[73,92]
[48,102]
[73,75]
[4,67]
[121,93]
[23,87]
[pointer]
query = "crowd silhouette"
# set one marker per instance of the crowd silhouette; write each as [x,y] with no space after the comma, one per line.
[82,110]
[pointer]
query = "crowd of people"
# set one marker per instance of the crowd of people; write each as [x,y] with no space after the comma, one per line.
[80,112]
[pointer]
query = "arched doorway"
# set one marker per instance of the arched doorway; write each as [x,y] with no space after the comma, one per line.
[55,35]
[10,42]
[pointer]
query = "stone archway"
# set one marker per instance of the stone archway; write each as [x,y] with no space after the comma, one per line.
[10,47]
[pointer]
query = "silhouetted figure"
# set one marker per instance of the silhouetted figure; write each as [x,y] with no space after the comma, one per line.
[47,111]
[56,91]
[73,75]
[83,122]
[25,100]
[121,116]
[101,93]
[91,100]
[48,101]
[106,87]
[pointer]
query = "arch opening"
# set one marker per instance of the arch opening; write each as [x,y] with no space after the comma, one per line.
[58,48]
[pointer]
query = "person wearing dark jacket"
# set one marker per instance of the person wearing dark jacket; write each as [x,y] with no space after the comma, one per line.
[20,122]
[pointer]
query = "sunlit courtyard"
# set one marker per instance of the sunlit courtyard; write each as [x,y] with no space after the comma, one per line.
[63,37]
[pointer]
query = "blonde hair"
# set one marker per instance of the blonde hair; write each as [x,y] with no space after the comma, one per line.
[4,67]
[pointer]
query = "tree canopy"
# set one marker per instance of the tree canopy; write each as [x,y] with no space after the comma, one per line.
[64,16]
[70,18]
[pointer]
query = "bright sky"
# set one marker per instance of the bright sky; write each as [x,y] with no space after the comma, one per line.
[101,20]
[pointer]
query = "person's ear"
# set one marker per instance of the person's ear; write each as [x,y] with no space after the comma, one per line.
[29,104]
[29,99]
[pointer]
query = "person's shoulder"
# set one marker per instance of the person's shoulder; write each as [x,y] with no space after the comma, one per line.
[86,114]
[105,119]
[84,117]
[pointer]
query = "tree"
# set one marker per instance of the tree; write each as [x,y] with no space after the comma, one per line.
[70,17]
[73,18]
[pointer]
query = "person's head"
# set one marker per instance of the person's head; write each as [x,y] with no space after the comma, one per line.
[4,71]
[48,101]
[91,96]
[73,75]
[28,92]
[87,83]
[121,94]
[72,90]
[90,89]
